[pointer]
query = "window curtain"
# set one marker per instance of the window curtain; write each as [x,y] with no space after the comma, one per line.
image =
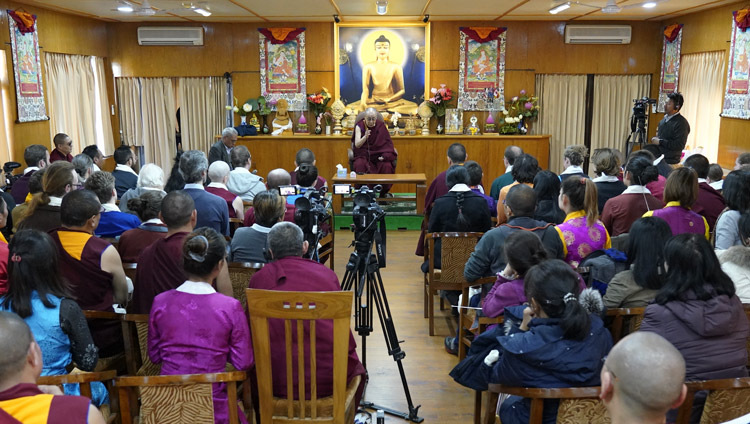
[702,86]
[5,117]
[105,140]
[202,112]
[562,112]
[613,108]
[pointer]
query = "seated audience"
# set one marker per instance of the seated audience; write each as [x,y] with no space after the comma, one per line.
[306,177]
[487,259]
[21,400]
[621,211]
[249,243]
[218,173]
[710,202]
[638,285]
[658,158]
[63,147]
[178,337]
[43,213]
[607,168]
[373,148]
[642,378]
[655,187]
[524,171]
[223,148]
[582,232]
[715,177]
[547,189]
[91,266]
[151,178]
[36,157]
[175,181]
[737,195]
[112,222]
[133,242]
[305,155]
[289,271]
[125,177]
[475,184]
[35,186]
[242,182]
[698,312]
[40,296]
[742,160]
[680,194]
[735,261]
[573,158]
[559,342]
[212,209]
[509,157]
[96,156]
[3,249]
[84,167]
[456,155]
[275,179]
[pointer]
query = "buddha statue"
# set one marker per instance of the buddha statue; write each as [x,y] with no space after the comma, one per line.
[282,123]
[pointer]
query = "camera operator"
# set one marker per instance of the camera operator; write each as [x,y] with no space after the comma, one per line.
[673,130]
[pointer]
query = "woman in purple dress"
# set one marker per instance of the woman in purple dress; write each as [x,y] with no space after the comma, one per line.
[582,232]
[680,193]
[193,329]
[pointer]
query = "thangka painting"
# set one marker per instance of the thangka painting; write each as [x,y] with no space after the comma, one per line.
[282,66]
[27,69]
[384,67]
[481,71]
[736,99]
[670,64]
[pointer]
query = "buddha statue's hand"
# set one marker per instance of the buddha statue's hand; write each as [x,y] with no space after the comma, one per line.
[379,100]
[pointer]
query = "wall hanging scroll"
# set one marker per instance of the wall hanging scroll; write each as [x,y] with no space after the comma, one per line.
[282,66]
[27,69]
[670,63]
[736,97]
[481,71]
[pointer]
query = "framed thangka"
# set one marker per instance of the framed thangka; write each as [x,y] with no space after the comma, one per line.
[27,70]
[736,99]
[481,69]
[670,64]
[384,66]
[282,66]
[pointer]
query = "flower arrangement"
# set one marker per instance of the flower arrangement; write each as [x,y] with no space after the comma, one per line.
[243,110]
[510,123]
[440,100]
[318,102]
[524,105]
[263,105]
[325,116]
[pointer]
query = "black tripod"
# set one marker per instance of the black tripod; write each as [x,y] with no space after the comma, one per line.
[637,134]
[363,269]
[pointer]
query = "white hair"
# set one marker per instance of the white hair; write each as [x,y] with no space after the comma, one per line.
[151,176]
[218,170]
[228,132]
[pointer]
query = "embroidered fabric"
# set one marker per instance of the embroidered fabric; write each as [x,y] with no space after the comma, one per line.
[73,323]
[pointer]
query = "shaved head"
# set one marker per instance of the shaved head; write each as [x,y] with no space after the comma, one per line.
[278,177]
[16,338]
[371,111]
[643,377]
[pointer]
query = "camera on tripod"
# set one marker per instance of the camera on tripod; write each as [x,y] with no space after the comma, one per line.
[640,112]
[8,168]
[310,212]
[368,221]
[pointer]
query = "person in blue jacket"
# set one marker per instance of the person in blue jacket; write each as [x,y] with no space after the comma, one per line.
[560,342]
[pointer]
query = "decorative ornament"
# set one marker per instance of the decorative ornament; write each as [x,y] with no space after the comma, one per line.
[425,112]
[337,110]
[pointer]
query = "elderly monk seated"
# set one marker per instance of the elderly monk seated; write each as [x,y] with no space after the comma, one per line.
[282,123]
[372,147]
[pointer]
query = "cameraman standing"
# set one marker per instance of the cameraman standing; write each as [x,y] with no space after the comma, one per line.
[673,130]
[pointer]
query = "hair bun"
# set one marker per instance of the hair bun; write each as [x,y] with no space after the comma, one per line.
[197,248]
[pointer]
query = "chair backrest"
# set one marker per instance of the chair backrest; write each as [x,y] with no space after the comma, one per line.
[178,398]
[728,399]
[84,379]
[304,308]
[136,348]
[240,274]
[622,317]
[455,251]
[577,404]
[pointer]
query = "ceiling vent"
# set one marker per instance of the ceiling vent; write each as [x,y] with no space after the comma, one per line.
[170,36]
[597,34]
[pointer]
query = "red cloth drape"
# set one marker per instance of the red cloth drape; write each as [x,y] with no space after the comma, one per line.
[483,34]
[24,21]
[280,35]
[672,31]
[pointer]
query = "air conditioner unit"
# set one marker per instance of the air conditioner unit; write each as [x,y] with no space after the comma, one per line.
[597,34]
[170,36]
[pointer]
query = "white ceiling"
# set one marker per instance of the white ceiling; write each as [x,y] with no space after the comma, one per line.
[364,10]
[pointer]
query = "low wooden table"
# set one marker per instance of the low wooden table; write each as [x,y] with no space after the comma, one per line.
[373,179]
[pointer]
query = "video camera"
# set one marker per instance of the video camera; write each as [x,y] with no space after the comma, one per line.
[8,168]
[310,212]
[640,111]
[368,219]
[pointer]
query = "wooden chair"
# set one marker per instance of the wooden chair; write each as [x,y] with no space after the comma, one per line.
[177,398]
[326,246]
[577,404]
[135,333]
[308,308]
[234,224]
[84,380]
[246,205]
[455,251]
[624,321]
[240,274]
[728,399]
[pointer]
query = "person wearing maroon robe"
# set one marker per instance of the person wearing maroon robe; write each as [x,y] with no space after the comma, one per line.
[133,241]
[373,148]
[290,272]
[456,156]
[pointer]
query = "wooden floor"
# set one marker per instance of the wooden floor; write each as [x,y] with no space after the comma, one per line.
[426,364]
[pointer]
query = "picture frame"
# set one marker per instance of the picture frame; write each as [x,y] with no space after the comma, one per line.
[27,72]
[454,121]
[282,68]
[736,94]
[670,67]
[481,69]
[403,58]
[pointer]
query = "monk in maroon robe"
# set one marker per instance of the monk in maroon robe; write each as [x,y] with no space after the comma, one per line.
[373,148]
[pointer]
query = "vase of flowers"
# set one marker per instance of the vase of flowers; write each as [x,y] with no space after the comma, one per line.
[264,108]
[525,108]
[318,104]
[440,101]
[243,110]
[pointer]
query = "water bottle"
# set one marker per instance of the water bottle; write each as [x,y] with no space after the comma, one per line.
[380,417]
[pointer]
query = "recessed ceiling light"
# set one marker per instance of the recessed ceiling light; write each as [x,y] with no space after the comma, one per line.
[559,8]
[649,5]
[202,11]
[125,8]
[381,6]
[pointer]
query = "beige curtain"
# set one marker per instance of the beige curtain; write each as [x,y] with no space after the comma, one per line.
[104,140]
[147,117]
[701,83]
[71,98]
[613,107]
[562,110]
[5,117]
[202,113]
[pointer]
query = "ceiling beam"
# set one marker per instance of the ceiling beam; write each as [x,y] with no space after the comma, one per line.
[512,9]
[66,10]
[426,5]
[248,9]
[335,6]
[686,10]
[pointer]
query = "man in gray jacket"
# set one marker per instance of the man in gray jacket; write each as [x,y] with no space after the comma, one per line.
[242,182]
[488,257]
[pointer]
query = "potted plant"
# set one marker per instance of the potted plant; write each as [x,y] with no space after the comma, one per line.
[438,103]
